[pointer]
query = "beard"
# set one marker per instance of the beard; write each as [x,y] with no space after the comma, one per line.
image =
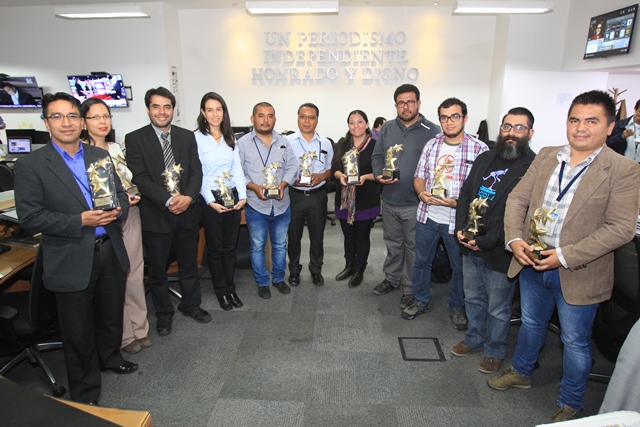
[508,151]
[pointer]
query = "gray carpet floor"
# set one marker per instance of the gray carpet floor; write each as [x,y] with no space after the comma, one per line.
[322,356]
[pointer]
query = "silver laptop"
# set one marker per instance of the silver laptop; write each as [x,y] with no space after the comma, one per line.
[18,146]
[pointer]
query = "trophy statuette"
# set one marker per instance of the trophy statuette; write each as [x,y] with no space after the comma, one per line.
[439,188]
[390,170]
[270,175]
[350,163]
[103,185]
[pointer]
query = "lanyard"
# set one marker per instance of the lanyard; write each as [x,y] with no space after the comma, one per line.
[563,192]
[264,162]
[319,150]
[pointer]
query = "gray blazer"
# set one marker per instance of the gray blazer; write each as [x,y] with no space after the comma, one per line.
[49,200]
[602,217]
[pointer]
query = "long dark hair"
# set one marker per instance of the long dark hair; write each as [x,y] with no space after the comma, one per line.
[84,110]
[345,142]
[225,125]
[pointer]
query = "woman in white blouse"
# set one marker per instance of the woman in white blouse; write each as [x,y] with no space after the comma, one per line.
[221,170]
[135,327]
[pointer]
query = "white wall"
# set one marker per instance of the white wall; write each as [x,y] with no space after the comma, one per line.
[220,47]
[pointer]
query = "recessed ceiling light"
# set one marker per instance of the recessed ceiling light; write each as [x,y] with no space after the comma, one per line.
[288,7]
[497,7]
[103,11]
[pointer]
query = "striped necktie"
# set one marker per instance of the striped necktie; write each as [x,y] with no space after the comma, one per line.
[167,152]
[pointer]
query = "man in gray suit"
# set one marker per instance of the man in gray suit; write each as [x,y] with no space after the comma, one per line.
[83,255]
[581,201]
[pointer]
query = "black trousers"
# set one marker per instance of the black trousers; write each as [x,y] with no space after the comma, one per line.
[313,209]
[221,233]
[356,241]
[91,325]
[157,247]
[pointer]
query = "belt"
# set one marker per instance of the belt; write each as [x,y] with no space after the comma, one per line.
[309,192]
[101,239]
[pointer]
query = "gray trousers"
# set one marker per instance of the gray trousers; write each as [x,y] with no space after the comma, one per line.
[399,224]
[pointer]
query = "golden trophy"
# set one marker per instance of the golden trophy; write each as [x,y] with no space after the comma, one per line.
[306,160]
[477,208]
[390,170]
[270,176]
[350,163]
[439,189]
[172,179]
[224,195]
[121,169]
[103,184]
[539,219]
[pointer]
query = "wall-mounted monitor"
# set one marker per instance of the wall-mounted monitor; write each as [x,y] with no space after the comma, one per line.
[108,87]
[610,34]
[20,92]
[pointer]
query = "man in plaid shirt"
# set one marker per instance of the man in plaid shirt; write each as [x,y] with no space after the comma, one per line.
[444,164]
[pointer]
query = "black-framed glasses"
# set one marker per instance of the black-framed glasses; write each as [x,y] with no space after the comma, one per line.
[409,103]
[57,117]
[516,128]
[96,117]
[454,118]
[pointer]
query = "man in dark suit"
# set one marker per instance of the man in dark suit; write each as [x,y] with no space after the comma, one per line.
[583,201]
[83,255]
[17,96]
[168,220]
[485,262]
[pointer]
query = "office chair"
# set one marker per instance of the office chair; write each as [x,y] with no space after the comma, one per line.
[27,325]
[6,177]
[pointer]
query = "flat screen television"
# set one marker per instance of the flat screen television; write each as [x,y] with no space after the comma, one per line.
[610,34]
[108,87]
[20,92]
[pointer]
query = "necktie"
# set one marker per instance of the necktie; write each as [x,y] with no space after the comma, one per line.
[167,152]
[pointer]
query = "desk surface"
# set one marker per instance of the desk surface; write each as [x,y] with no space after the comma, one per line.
[15,260]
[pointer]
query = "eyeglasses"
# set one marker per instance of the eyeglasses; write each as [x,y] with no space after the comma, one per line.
[57,117]
[516,128]
[454,118]
[303,117]
[104,117]
[402,104]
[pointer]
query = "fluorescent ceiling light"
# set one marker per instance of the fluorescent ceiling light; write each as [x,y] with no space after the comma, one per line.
[288,7]
[495,7]
[101,11]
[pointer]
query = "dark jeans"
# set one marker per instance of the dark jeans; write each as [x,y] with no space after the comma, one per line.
[313,208]
[221,233]
[91,325]
[356,241]
[158,248]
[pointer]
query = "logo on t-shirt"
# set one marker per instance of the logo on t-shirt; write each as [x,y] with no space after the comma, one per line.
[486,190]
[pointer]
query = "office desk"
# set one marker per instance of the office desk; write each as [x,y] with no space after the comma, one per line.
[14,261]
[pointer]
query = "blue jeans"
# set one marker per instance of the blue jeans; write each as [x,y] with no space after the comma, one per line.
[276,227]
[427,236]
[487,295]
[540,292]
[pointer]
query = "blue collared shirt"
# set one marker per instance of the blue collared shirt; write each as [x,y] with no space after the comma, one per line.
[79,170]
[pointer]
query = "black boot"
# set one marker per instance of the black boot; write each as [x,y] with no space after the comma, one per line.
[357,277]
[348,271]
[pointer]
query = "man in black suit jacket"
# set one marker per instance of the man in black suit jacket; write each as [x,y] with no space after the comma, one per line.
[620,139]
[23,98]
[83,254]
[168,221]
[485,262]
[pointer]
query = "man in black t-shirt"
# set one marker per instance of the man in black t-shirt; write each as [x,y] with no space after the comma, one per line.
[485,262]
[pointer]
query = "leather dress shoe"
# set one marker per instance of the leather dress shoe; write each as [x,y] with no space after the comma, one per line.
[264,292]
[125,367]
[133,347]
[282,287]
[199,315]
[163,327]
[318,280]
[235,300]
[145,342]
[294,279]
[225,302]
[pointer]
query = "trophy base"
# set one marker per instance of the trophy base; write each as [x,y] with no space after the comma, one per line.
[439,192]
[391,173]
[229,201]
[271,193]
[105,203]
[353,179]
[305,180]
[536,255]
[468,236]
[133,191]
